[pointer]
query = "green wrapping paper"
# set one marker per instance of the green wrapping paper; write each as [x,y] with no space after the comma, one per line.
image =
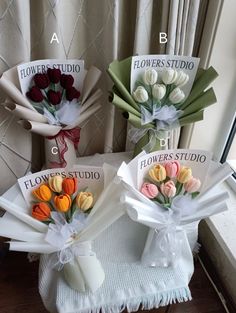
[200,97]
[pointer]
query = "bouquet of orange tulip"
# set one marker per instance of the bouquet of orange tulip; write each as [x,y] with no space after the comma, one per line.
[62,196]
[61,213]
[168,190]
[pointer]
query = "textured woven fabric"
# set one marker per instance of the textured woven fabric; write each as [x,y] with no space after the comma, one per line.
[127,282]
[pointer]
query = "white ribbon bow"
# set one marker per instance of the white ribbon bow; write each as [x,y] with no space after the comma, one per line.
[166,118]
[62,234]
[163,246]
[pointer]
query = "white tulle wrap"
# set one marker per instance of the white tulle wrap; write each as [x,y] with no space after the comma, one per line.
[69,245]
[163,245]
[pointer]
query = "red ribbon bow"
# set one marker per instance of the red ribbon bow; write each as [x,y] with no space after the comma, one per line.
[73,135]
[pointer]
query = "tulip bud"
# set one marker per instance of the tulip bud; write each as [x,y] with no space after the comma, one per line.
[192,185]
[35,94]
[168,189]
[149,190]
[185,174]
[54,97]
[140,94]
[176,96]
[158,91]
[55,183]
[72,93]
[66,81]
[41,81]
[172,168]
[54,75]
[41,211]
[84,200]
[62,202]
[182,79]
[70,185]
[169,76]
[43,193]
[150,76]
[158,173]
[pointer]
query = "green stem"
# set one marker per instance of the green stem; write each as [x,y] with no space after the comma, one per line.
[179,187]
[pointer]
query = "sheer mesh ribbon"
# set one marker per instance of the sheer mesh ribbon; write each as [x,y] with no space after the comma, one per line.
[165,118]
[73,135]
[163,245]
[61,235]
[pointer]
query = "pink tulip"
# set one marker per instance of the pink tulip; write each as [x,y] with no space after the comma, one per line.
[172,168]
[192,185]
[168,189]
[149,190]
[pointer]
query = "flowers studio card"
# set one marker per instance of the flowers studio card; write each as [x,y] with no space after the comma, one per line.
[27,71]
[187,158]
[161,62]
[92,177]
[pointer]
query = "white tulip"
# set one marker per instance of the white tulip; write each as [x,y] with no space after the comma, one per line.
[158,91]
[140,94]
[182,79]
[176,95]
[169,76]
[150,76]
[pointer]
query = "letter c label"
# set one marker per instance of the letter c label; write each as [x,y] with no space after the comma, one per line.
[54,150]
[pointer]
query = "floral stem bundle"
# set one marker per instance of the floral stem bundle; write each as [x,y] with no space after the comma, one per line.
[159,99]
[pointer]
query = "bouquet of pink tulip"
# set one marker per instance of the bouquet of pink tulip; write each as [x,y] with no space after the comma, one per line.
[53,98]
[167,190]
[167,181]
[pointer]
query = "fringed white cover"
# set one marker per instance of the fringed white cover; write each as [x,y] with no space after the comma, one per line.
[127,283]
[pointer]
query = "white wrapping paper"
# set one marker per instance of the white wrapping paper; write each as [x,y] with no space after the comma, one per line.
[17,81]
[162,246]
[82,269]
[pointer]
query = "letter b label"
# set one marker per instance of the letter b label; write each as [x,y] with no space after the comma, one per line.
[162,37]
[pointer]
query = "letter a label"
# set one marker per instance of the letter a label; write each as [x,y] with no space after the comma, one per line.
[54,38]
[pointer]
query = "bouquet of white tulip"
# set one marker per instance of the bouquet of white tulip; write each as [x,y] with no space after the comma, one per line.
[157,99]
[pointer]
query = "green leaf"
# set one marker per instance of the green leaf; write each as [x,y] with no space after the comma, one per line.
[195,194]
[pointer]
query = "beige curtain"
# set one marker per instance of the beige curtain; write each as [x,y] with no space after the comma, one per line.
[98,32]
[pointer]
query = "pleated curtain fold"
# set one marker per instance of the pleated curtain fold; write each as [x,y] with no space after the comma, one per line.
[98,32]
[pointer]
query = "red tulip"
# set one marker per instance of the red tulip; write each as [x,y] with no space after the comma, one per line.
[35,94]
[41,81]
[54,75]
[66,81]
[72,93]
[54,97]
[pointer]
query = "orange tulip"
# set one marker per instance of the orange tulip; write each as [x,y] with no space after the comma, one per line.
[70,185]
[41,211]
[62,202]
[42,193]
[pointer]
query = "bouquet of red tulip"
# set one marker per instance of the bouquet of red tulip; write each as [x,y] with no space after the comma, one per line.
[61,213]
[54,99]
[167,190]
